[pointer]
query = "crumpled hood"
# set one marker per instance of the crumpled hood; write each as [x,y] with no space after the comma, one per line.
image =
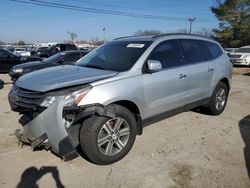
[60,77]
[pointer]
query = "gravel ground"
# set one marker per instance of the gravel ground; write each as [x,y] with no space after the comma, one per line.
[187,150]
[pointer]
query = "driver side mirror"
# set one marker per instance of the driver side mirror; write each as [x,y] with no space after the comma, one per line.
[153,66]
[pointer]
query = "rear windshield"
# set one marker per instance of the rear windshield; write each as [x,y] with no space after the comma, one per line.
[115,56]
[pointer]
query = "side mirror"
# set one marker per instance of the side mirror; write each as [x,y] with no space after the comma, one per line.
[153,66]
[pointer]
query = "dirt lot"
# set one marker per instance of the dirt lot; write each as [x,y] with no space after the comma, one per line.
[187,150]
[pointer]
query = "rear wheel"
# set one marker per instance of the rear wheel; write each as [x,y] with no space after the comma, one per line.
[106,140]
[218,100]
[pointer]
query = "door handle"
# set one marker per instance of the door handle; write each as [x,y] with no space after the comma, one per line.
[181,76]
[210,69]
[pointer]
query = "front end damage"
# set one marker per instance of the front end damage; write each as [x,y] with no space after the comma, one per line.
[55,127]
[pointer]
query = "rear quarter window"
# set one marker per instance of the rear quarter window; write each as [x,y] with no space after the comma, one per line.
[214,49]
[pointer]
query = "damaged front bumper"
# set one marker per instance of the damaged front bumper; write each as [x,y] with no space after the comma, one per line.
[48,130]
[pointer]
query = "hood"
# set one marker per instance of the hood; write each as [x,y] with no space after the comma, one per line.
[29,64]
[60,77]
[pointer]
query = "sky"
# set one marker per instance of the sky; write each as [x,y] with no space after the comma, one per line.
[33,23]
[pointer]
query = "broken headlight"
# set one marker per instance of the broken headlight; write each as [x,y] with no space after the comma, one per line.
[69,99]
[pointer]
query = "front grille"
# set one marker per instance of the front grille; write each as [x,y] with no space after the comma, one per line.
[235,56]
[25,98]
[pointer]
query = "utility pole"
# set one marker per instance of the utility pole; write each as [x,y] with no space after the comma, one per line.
[191,20]
[103,29]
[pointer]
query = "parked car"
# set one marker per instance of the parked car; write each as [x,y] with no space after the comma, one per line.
[62,58]
[22,52]
[241,56]
[8,60]
[230,50]
[54,49]
[105,100]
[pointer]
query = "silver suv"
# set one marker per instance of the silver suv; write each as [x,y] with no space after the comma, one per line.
[98,106]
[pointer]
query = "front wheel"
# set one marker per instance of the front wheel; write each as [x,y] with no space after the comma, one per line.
[218,100]
[106,140]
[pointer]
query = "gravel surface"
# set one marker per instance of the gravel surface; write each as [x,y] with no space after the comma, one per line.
[187,150]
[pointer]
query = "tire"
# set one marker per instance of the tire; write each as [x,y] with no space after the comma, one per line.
[214,108]
[96,128]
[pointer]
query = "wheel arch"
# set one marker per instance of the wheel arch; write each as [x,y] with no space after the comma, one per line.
[132,107]
[225,81]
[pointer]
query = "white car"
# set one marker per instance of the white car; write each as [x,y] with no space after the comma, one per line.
[241,56]
[22,52]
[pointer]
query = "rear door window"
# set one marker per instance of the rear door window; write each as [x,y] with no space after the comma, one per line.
[193,51]
[167,53]
[70,47]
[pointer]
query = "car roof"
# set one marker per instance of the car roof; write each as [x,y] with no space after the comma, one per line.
[245,47]
[156,37]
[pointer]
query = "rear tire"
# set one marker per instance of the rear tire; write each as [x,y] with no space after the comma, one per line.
[107,140]
[218,100]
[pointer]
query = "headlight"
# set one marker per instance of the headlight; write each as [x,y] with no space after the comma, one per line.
[69,100]
[18,70]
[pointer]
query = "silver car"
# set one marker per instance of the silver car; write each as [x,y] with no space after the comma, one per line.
[99,105]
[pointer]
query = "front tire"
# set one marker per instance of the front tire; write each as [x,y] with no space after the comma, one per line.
[106,140]
[218,100]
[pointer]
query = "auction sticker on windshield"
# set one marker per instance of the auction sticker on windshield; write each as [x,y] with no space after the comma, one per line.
[135,45]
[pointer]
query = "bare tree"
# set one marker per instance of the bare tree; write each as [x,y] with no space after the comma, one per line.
[72,35]
[96,41]
[148,32]
[204,32]
[181,30]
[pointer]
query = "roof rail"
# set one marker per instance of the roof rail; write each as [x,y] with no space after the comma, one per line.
[124,37]
[187,34]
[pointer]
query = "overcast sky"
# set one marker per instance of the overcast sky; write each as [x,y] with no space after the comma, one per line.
[33,23]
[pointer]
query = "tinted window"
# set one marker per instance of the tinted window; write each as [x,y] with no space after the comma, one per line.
[214,49]
[167,53]
[71,58]
[115,56]
[3,54]
[193,51]
[69,47]
[53,58]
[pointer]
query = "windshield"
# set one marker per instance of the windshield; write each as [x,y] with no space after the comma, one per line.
[53,58]
[243,50]
[115,56]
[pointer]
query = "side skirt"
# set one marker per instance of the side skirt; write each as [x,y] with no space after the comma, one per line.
[167,114]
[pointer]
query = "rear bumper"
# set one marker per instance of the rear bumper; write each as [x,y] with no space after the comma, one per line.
[48,130]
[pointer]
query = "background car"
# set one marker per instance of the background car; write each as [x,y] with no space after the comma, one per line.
[241,56]
[8,60]
[22,52]
[230,50]
[62,58]
[54,49]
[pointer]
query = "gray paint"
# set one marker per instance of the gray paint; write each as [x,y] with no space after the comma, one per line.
[50,122]
[61,76]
